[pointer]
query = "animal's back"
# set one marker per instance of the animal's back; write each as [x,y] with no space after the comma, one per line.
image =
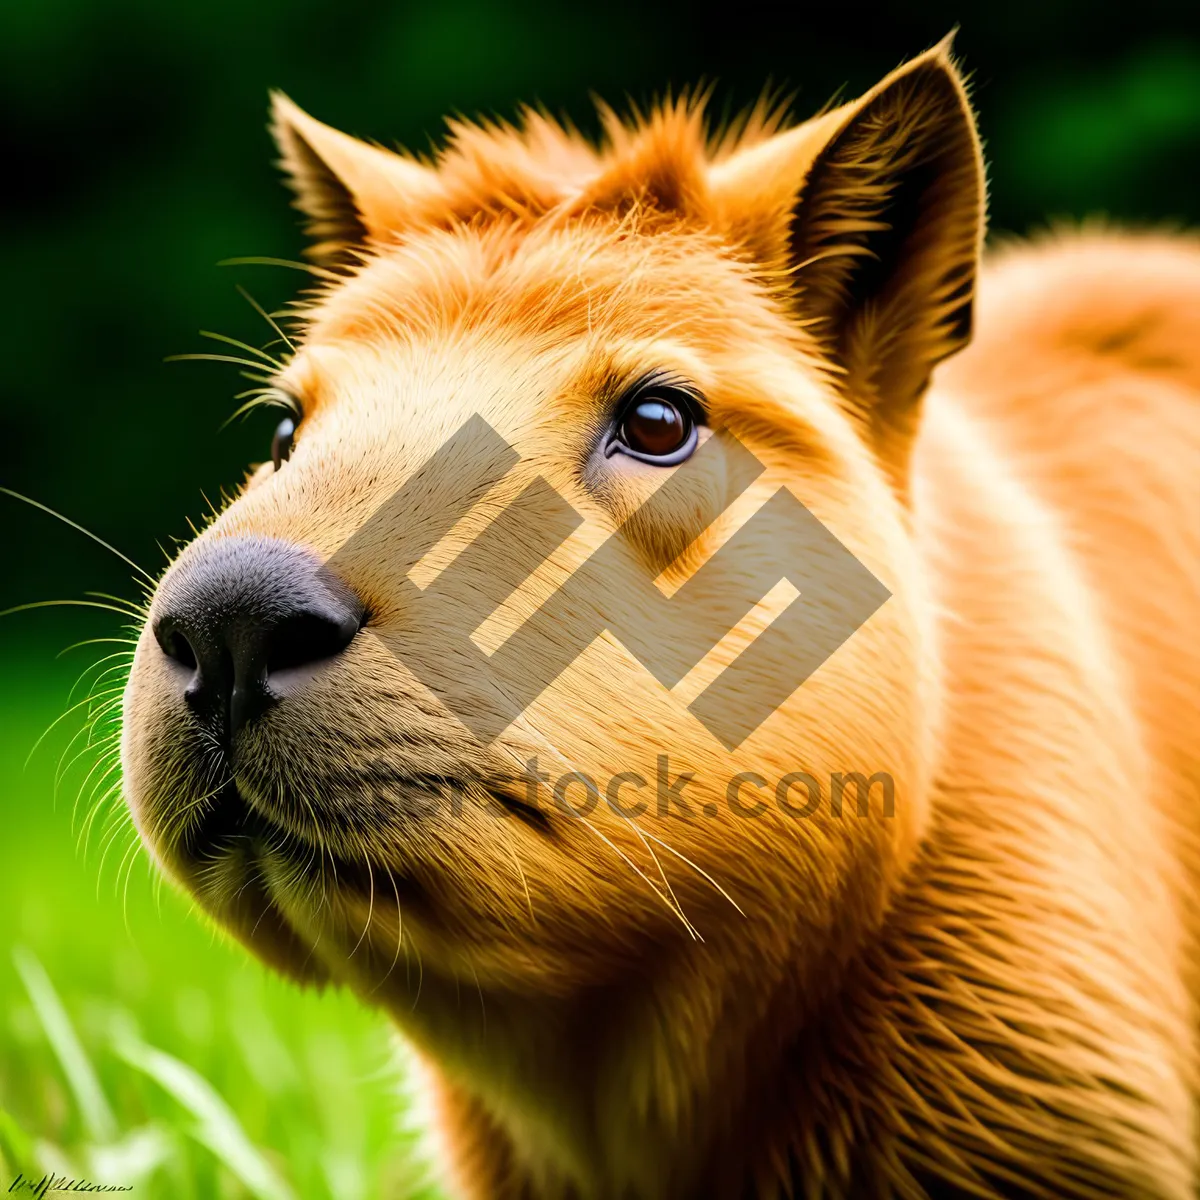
[1085,370]
[1074,587]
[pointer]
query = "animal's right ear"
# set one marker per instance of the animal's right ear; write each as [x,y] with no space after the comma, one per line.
[352,193]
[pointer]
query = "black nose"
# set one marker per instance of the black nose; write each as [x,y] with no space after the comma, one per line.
[242,614]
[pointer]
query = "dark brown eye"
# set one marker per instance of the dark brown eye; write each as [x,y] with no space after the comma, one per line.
[281,443]
[657,427]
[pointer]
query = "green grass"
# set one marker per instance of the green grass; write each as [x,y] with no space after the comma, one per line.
[138,1046]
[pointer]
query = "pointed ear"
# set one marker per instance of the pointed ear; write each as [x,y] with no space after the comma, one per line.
[352,193]
[875,213]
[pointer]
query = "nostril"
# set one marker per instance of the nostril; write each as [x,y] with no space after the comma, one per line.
[176,646]
[306,637]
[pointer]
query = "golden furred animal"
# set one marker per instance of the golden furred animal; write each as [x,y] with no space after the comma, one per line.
[927,929]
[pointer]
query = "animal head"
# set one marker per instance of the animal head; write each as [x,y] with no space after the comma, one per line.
[711,321]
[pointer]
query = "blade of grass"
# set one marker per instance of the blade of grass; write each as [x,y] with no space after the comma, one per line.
[16,1148]
[135,1158]
[217,1127]
[97,1116]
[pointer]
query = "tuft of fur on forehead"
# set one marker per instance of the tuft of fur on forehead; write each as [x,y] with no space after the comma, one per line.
[596,278]
[536,167]
[536,227]
[530,223]
[654,162]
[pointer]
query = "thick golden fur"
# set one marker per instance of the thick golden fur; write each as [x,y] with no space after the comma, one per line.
[990,993]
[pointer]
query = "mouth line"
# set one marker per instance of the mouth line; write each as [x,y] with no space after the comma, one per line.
[231,820]
[528,814]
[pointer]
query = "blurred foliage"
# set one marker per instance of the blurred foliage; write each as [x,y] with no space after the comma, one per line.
[134,146]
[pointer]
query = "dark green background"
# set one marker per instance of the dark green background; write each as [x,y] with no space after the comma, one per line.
[136,157]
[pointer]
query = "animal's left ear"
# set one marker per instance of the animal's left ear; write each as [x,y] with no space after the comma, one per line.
[875,213]
[353,194]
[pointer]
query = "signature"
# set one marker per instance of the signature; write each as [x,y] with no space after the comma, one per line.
[61,1183]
